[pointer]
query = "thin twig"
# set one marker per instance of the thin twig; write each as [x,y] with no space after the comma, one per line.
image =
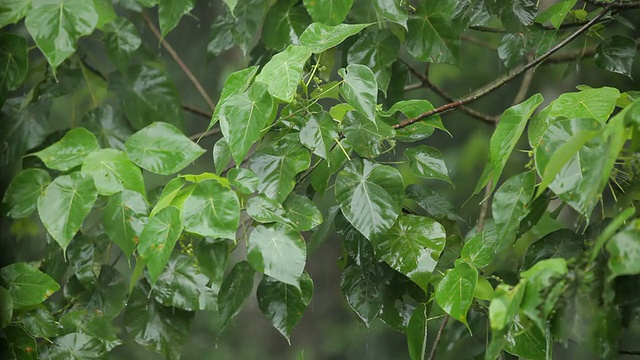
[196,111]
[614,5]
[178,60]
[505,79]
[629,352]
[414,86]
[524,87]
[484,208]
[432,354]
[205,134]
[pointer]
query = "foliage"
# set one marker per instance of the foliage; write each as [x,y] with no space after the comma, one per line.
[312,123]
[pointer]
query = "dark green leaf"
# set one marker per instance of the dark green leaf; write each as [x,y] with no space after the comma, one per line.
[122,40]
[360,89]
[325,170]
[70,151]
[432,202]
[14,61]
[361,287]
[330,12]
[544,285]
[169,193]
[625,251]
[235,289]
[124,218]
[526,342]
[287,67]
[106,298]
[302,213]
[109,126]
[162,149]
[156,327]
[6,307]
[64,204]
[40,323]
[148,95]
[412,247]
[94,324]
[512,49]
[11,11]
[27,285]
[77,346]
[616,54]
[221,35]
[212,260]
[56,26]
[158,238]
[320,37]
[21,345]
[212,210]
[83,258]
[416,332]
[367,137]
[113,172]
[170,12]
[23,128]
[431,36]
[377,50]
[511,204]
[266,210]
[478,251]
[394,10]
[277,163]
[22,194]
[427,162]
[284,304]
[562,243]
[248,17]
[322,231]
[278,251]
[255,108]
[319,134]
[515,13]
[286,22]
[454,292]
[243,179]
[505,305]
[421,129]
[370,196]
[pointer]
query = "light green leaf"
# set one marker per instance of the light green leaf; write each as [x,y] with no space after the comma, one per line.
[12,11]
[616,54]
[77,346]
[231,4]
[320,37]
[360,89]
[56,26]
[368,138]
[70,151]
[511,204]
[302,213]
[416,332]
[266,210]
[24,189]
[106,12]
[590,103]
[624,248]
[478,251]
[370,196]
[158,238]
[556,13]
[330,12]
[484,290]
[431,36]
[287,67]
[319,134]
[170,12]
[454,292]
[162,149]
[243,116]
[286,22]
[112,172]
[277,250]
[504,139]
[124,218]
[412,247]
[14,61]
[243,179]
[277,163]
[212,210]
[505,305]
[544,285]
[64,205]
[427,162]
[283,304]
[27,285]
[377,50]
[235,289]
[168,194]
[221,155]
[238,82]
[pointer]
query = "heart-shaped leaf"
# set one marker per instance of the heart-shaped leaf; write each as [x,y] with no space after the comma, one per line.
[235,289]
[427,162]
[302,213]
[320,37]
[287,67]
[14,61]
[368,138]
[24,189]
[360,89]
[278,251]
[27,285]
[454,292]
[112,172]
[70,151]
[158,238]
[212,210]
[319,134]
[330,12]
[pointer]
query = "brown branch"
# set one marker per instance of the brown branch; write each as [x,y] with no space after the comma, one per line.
[432,354]
[196,111]
[178,60]
[201,135]
[505,79]
[614,5]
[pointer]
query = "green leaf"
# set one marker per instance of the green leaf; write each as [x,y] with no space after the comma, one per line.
[93,324]
[64,204]
[394,11]
[56,26]
[266,210]
[23,128]
[182,286]
[147,95]
[616,54]
[107,296]
[512,49]
[562,243]
[624,248]
[286,23]
[412,247]
[156,327]
[221,35]
[12,11]
[124,218]
[361,287]
[108,125]
[106,12]
[238,82]
[504,139]
[431,36]
[556,13]
[24,189]
[320,37]
[511,204]
[235,289]
[377,50]
[544,285]
[231,4]
[421,129]
[515,13]
[478,251]
[526,342]
[221,155]
[19,344]
[169,193]
[319,134]
[243,179]
[170,12]
[370,196]
[40,323]
[14,61]
[283,304]
[78,347]
[322,231]
[416,332]
[212,259]
[70,151]
[505,305]
[162,149]
[112,172]
[277,163]
[212,210]
[591,103]
[365,136]
[454,292]
[432,202]
[484,290]
[158,238]
[255,108]
[122,40]
[330,12]
[6,307]
[427,162]
[360,89]
[287,67]
[83,258]
[302,213]
[27,285]
[277,250]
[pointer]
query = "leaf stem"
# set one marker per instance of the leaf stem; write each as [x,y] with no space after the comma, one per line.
[432,354]
[196,111]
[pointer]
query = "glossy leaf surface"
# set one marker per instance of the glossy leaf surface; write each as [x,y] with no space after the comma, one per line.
[70,151]
[454,292]
[112,171]
[124,218]
[212,210]
[278,251]
[158,238]
[286,66]
[27,285]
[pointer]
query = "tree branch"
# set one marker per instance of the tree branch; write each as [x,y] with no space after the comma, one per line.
[196,111]
[201,135]
[432,354]
[614,5]
[629,352]
[178,60]
[505,79]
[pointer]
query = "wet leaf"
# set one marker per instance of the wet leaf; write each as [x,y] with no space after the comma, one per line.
[330,12]
[616,54]
[40,323]
[478,251]
[77,346]
[112,172]
[624,248]
[212,210]
[454,292]
[544,285]
[302,213]
[377,50]
[235,289]
[11,11]
[505,305]
[427,162]
[432,202]
[24,189]
[320,37]
[278,251]
[562,243]
[286,22]
[416,332]
[360,89]
[319,134]
[158,238]
[170,12]
[182,286]
[124,218]
[431,36]
[212,259]
[593,103]
[556,13]
[361,286]
[511,204]
[109,126]
[368,138]
[243,179]
[27,285]
[14,61]
[286,66]
[70,151]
